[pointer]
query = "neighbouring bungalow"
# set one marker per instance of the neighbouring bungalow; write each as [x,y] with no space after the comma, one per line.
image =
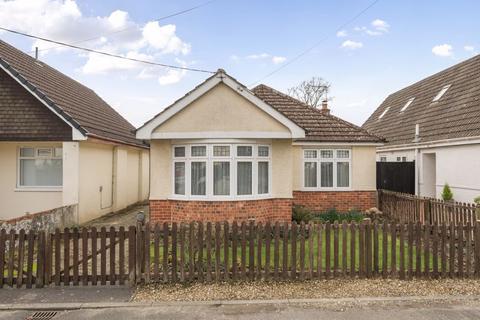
[224,152]
[64,151]
[436,123]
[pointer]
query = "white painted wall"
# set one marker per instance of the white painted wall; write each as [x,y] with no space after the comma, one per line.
[392,156]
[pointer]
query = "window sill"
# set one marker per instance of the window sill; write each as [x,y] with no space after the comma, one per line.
[38,189]
[219,198]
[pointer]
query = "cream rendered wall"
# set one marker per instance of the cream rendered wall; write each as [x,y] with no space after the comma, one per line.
[133,174]
[392,156]
[95,171]
[13,202]
[160,169]
[221,109]
[282,168]
[363,166]
[144,175]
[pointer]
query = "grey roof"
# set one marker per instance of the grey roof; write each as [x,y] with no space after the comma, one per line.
[455,115]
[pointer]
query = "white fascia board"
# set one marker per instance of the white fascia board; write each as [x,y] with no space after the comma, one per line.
[146,131]
[353,144]
[431,144]
[76,134]
[222,135]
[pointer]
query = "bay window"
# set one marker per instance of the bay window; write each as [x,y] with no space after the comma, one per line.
[40,167]
[326,169]
[221,171]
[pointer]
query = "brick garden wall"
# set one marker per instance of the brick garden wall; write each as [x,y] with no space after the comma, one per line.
[340,200]
[182,211]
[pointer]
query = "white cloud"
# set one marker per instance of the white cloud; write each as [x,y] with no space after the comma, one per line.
[342,33]
[278,59]
[357,104]
[63,20]
[378,28]
[351,45]
[261,56]
[173,75]
[469,48]
[443,50]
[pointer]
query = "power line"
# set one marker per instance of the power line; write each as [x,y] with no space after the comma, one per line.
[317,43]
[129,28]
[106,53]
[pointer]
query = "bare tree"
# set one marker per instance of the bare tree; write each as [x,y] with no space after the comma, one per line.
[311,92]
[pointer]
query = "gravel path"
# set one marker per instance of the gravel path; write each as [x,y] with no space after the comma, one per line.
[306,290]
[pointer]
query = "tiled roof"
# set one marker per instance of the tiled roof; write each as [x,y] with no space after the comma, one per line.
[83,108]
[319,126]
[455,115]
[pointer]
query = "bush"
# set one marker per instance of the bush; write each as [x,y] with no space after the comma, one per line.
[300,213]
[447,194]
[333,215]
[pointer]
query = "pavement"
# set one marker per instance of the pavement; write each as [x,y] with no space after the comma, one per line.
[125,218]
[114,303]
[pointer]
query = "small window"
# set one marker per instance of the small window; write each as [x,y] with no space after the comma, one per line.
[44,152]
[40,167]
[326,154]
[404,159]
[383,159]
[27,152]
[221,151]
[409,102]
[179,152]
[263,151]
[441,93]
[310,154]
[344,154]
[244,151]
[383,113]
[398,159]
[199,151]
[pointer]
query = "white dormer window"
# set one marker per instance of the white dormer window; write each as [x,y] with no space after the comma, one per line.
[383,113]
[409,102]
[441,93]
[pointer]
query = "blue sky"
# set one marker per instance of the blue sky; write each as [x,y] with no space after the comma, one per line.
[393,44]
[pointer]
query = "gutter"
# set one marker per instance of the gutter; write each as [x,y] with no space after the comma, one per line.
[431,144]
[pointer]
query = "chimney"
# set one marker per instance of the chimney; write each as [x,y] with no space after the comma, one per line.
[325,109]
[36,53]
[417,133]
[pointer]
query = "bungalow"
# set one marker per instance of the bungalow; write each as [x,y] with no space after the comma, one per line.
[62,146]
[436,123]
[224,152]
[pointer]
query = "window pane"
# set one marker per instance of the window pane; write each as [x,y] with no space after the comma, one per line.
[310,154]
[244,178]
[343,176]
[179,177]
[27,152]
[326,174]
[221,151]
[179,152]
[326,154]
[44,152]
[244,151]
[221,178]
[310,174]
[343,154]
[263,151]
[199,174]
[41,172]
[262,177]
[199,151]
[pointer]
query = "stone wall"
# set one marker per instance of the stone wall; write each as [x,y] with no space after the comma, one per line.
[46,220]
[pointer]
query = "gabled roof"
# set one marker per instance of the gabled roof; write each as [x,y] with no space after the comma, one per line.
[80,107]
[146,131]
[455,115]
[319,126]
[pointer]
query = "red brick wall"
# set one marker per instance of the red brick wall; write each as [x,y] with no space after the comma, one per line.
[183,211]
[340,200]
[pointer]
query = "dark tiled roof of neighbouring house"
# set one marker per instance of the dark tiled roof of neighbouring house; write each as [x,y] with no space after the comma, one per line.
[318,126]
[455,115]
[83,108]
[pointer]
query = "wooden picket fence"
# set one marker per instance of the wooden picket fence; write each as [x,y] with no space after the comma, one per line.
[209,252]
[404,208]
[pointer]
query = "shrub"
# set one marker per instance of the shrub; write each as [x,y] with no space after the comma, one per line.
[300,213]
[447,194]
[333,215]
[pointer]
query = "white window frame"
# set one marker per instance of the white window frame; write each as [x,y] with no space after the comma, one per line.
[20,187]
[333,160]
[233,159]
[441,93]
